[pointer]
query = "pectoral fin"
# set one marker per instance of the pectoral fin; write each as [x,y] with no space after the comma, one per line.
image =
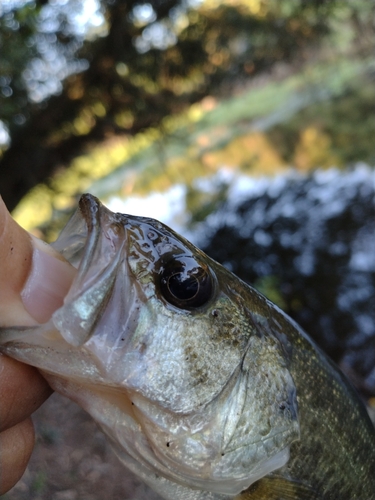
[278,488]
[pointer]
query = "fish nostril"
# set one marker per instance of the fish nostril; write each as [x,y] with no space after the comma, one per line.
[117,228]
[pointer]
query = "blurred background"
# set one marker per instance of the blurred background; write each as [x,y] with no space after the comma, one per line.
[246,125]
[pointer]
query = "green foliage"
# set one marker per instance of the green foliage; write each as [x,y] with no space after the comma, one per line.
[140,66]
[270,287]
[339,132]
[300,121]
[17,26]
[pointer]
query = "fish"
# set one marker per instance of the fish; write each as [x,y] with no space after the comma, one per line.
[205,389]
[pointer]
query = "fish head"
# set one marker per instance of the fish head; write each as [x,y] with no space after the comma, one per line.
[171,354]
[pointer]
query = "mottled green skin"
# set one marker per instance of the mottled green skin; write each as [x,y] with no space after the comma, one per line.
[335,455]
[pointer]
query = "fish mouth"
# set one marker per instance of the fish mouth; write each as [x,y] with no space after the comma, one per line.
[96,246]
[93,241]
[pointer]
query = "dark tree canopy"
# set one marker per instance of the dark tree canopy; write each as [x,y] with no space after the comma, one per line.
[64,88]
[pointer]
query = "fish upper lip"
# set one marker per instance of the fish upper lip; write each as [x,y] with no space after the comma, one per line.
[90,206]
[99,252]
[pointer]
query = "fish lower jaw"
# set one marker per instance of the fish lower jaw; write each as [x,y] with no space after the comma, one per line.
[209,479]
[216,475]
[118,417]
[193,449]
[182,458]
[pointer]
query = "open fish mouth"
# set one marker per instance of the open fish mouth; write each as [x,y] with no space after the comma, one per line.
[152,340]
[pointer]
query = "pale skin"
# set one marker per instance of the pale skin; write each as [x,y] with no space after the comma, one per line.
[33,282]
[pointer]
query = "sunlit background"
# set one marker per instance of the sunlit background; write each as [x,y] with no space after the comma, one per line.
[246,125]
[193,88]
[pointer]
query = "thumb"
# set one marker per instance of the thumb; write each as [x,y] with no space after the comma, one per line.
[34,278]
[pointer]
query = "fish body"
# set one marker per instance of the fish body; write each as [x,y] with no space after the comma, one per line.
[206,389]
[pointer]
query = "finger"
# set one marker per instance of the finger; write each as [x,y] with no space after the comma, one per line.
[48,282]
[16,445]
[16,259]
[34,278]
[22,390]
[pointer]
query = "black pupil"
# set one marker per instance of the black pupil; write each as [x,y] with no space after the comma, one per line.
[183,286]
[185,283]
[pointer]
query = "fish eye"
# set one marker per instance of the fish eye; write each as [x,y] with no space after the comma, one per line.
[185,283]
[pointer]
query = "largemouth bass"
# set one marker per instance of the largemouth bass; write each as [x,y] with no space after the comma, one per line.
[206,389]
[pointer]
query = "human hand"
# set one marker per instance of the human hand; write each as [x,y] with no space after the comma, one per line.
[33,282]
[22,391]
